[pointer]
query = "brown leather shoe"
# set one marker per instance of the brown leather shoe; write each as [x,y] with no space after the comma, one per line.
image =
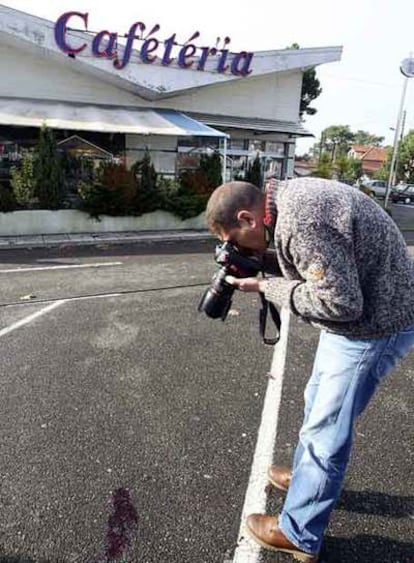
[265,531]
[279,477]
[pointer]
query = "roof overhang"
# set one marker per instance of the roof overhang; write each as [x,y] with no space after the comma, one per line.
[106,119]
[257,125]
[150,81]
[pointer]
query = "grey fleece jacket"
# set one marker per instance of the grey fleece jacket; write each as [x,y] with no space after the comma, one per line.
[345,265]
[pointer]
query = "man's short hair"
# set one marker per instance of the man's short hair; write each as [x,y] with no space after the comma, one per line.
[227,200]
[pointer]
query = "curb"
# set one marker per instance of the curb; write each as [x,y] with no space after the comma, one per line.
[13,243]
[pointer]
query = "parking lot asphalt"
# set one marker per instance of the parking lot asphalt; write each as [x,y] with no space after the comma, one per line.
[129,420]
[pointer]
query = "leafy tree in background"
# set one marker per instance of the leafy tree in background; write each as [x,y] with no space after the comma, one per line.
[337,140]
[405,168]
[324,168]
[311,89]
[48,171]
[355,168]
[348,169]
[365,138]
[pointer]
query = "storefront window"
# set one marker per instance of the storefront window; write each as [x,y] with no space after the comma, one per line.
[198,142]
[275,148]
[238,144]
[236,167]
[10,155]
[256,145]
[273,168]
[187,161]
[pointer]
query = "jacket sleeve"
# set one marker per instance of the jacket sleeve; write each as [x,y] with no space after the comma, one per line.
[328,287]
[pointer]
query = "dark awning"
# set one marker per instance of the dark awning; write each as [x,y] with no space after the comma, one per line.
[252,123]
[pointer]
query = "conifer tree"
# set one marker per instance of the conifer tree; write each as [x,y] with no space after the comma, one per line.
[48,171]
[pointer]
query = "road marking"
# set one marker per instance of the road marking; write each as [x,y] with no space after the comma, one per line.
[247,550]
[31,318]
[41,268]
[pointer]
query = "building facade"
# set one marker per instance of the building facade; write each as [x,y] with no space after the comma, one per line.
[126,94]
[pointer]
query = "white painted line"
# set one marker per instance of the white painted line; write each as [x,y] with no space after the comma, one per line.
[248,551]
[68,266]
[31,318]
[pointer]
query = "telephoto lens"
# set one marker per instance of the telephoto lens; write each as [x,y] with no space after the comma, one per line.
[216,301]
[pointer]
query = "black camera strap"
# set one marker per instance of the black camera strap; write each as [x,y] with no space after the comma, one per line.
[266,306]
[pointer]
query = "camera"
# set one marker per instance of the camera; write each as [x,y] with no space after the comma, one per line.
[216,301]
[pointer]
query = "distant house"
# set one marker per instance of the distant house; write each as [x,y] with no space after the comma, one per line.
[371,157]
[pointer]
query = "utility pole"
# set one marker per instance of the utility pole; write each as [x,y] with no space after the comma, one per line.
[407,69]
[321,145]
[394,181]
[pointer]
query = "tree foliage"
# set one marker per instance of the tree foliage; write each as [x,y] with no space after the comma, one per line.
[365,138]
[48,171]
[254,172]
[111,192]
[405,168]
[210,165]
[23,180]
[324,167]
[337,140]
[146,199]
[311,89]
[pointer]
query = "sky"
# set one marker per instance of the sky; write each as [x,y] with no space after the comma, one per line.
[362,90]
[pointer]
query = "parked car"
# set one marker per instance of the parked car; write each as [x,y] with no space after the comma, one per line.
[377,188]
[403,193]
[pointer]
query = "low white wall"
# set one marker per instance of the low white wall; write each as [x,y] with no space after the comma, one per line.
[44,222]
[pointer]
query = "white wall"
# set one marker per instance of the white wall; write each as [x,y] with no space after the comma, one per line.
[274,96]
[41,78]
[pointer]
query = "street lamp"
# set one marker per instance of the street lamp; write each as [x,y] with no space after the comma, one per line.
[407,69]
[394,179]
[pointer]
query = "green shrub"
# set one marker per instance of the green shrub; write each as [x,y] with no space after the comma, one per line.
[48,171]
[210,165]
[147,196]
[254,172]
[188,197]
[112,192]
[324,168]
[23,181]
[7,200]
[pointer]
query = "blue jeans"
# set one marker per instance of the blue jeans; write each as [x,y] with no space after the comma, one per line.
[345,375]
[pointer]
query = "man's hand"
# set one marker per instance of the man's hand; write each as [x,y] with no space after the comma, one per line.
[247,284]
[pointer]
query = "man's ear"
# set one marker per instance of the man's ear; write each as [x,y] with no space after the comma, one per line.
[246,218]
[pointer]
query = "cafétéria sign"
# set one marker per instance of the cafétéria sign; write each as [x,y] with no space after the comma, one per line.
[152,49]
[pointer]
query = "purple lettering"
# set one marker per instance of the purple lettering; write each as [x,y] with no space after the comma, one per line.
[169,44]
[222,67]
[205,52]
[119,64]
[109,50]
[244,58]
[105,44]
[61,29]
[148,47]
[186,52]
